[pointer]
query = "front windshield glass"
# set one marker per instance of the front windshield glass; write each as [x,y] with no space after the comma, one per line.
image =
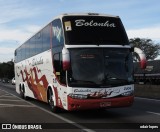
[94,30]
[93,67]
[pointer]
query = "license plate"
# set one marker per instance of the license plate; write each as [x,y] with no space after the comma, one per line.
[105,104]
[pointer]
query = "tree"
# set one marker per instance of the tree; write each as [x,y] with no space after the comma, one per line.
[7,70]
[151,49]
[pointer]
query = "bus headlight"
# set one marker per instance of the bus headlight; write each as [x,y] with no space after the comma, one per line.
[78,96]
[128,93]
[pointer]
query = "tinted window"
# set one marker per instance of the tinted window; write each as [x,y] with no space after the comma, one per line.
[27,49]
[57,33]
[19,54]
[32,46]
[46,38]
[35,45]
[94,30]
[100,67]
[57,62]
[61,75]
[23,55]
[39,43]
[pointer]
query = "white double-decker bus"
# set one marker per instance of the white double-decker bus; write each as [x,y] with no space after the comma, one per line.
[77,62]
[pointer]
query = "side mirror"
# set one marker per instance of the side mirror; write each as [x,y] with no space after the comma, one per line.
[65,59]
[141,57]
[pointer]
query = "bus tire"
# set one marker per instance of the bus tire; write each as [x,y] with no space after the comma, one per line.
[22,92]
[53,108]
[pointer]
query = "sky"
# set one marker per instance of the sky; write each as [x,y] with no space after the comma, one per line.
[20,19]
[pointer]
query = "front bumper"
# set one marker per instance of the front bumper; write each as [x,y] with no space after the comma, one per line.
[84,104]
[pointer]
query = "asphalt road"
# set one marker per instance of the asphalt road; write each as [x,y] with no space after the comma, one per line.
[144,115]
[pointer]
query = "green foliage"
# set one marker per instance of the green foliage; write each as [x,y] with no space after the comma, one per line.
[151,49]
[7,70]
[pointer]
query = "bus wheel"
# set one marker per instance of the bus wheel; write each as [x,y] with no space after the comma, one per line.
[22,93]
[51,102]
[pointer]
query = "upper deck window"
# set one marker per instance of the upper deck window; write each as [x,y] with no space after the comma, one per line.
[94,30]
[57,38]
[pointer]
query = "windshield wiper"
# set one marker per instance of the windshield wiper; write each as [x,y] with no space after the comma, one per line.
[83,81]
[116,79]
[113,80]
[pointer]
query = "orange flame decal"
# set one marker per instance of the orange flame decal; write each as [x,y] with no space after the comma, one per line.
[37,85]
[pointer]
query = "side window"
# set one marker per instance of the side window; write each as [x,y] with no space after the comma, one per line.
[20,54]
[27,49]
[39,44]
[60,73]
[58,38]
[23,55]
[32,46]
[46,38]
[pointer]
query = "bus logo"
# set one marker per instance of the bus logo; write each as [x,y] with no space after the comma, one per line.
[127,88]
[68,26]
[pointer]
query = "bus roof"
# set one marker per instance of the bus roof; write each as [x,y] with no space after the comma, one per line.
[87,14]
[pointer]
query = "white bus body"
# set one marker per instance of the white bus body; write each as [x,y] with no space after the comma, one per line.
[76,62]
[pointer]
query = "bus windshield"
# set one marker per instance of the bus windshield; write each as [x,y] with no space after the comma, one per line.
[94,30]
[107,67]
